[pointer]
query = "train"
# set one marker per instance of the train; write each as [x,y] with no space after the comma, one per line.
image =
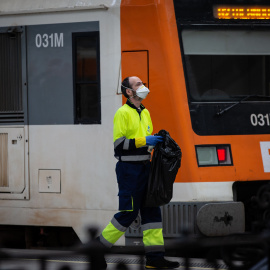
[206,63]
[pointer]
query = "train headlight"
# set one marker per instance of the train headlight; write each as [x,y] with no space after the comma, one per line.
[213,155]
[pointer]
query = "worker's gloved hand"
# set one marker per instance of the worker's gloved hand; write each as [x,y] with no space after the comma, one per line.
[153,140]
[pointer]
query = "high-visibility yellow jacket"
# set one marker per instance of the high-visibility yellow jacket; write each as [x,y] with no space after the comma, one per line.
[131,126]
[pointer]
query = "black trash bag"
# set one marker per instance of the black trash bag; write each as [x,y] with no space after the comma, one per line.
[165,163]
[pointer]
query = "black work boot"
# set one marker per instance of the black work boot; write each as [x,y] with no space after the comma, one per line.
[160,263]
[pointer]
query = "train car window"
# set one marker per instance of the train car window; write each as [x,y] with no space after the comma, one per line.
[87,78]
[225,65]
[10,75]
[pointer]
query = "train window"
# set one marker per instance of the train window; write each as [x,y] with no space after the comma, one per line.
[226,65]
[86,78]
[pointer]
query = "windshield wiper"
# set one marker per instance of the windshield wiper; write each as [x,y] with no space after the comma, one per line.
[240,101]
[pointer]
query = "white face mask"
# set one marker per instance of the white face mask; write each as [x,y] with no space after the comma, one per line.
[142,92]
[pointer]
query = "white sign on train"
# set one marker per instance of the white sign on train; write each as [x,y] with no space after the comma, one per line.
[260,119]
[54,40]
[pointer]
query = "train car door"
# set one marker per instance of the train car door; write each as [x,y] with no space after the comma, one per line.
[13,114]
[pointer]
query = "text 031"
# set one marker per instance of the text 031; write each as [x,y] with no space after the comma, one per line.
[260,119]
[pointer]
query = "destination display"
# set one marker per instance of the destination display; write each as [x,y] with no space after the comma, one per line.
[241,12]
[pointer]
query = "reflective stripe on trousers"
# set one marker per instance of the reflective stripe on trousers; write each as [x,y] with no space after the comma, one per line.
[113,231]
[153,237]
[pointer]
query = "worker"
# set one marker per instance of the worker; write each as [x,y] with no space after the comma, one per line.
[132,140]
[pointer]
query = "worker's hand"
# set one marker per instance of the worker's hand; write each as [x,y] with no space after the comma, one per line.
[153,140]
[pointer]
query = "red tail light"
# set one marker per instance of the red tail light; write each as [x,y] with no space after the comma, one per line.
[221,154]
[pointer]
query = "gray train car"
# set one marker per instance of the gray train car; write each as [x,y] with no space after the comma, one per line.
[56,113]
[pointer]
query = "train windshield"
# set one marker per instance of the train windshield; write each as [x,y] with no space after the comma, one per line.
[226,65]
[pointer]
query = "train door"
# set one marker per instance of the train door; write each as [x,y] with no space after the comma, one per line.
[13,115]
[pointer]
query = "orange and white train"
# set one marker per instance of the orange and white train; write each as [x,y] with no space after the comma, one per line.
[207,65]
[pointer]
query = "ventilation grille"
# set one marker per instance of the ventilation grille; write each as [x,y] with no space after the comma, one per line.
[10,117]
[3,160]
[11,102]
[176,217]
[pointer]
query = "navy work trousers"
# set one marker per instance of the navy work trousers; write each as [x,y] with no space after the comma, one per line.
[132,181]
